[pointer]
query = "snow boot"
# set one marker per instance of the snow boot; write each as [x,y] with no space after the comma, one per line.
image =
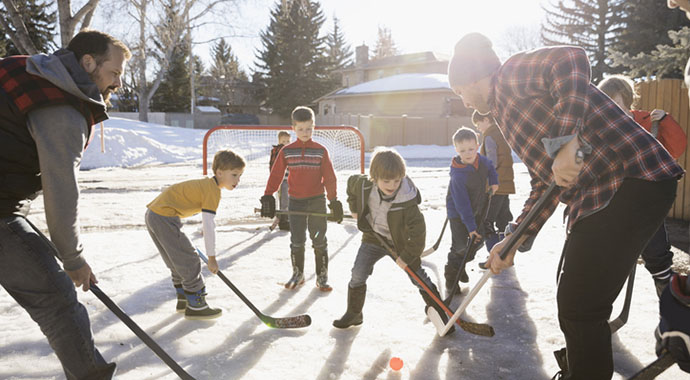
[429,301]
[197,308]
[296,280]
[283,223]
[355,302]
[181,299]
[105,372]
[322,272]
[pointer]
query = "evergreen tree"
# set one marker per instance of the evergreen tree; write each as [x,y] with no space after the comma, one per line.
[39,22]
[293,65]
[665,61]
[594,25]
[173,94]
[225,63]
[338,52]
[385,46]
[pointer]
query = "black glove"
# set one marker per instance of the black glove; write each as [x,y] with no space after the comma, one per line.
[673,333]
[336,211]
[268,206]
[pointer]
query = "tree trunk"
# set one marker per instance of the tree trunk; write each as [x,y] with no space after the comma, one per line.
[68,22]
[20,37]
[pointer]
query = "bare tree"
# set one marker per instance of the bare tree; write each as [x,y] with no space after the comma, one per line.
[159,39]
[68,22]
[517,38]
[16,29]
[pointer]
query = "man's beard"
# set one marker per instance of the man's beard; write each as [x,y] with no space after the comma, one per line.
[95,78]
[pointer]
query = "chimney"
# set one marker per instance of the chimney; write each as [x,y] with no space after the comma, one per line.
[361,55]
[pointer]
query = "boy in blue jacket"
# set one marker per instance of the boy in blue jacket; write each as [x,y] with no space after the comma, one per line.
[469,174]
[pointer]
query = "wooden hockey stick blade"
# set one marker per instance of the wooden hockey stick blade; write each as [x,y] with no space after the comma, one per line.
[654,368]
[434,247]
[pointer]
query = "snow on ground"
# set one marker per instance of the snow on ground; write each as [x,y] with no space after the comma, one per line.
[520,303]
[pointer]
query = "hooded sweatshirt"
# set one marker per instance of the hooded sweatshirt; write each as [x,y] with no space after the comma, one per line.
[59,124]
[467,188]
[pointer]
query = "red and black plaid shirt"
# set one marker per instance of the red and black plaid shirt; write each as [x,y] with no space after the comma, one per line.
[547,93]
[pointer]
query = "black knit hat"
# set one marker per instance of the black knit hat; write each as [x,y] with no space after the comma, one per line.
[473,59]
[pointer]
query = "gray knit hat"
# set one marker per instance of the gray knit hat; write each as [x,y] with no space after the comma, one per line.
[473,59]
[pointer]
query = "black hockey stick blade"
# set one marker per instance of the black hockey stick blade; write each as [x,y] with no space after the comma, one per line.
[140,333]
[654,368]
[622,318]
[433,248]
[299,321]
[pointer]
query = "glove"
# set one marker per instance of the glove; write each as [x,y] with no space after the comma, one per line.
[336,211]
[268,206]
[673,333]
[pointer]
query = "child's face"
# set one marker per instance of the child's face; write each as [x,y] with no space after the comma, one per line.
[303,130]
[388,186]
[230,178]
[483,125]
[467,150]
[284,140]
[618,99]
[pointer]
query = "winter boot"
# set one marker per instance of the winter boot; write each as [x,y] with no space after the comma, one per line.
[197,308]
[181,299]
[431,303]
[296,280]
[450,273]
[463,275]
[105,372]
[322,272]
[661,280]
[283,223]
[355,302]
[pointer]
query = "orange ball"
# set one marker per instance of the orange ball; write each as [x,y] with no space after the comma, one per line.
[396,363]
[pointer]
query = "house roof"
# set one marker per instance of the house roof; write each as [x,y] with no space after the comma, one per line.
[402,60]
[208,109]
[410,82]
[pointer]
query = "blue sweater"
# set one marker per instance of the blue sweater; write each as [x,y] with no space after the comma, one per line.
[468,184]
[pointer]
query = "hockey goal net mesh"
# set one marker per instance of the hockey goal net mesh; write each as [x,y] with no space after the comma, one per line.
[345,146]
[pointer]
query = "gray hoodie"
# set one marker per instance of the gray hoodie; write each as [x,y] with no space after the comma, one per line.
[60,133]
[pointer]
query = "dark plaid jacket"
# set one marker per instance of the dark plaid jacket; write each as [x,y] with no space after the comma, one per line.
[20,93]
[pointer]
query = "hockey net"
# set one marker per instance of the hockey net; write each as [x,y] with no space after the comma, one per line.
[345,146]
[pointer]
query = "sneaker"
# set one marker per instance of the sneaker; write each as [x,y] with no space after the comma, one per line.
[322,283]
[296,280]
[197,308]
[181,299]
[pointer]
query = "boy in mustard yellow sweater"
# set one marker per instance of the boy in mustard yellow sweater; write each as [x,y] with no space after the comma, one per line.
[163,222]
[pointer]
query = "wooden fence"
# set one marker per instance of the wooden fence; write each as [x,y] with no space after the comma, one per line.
[671,95]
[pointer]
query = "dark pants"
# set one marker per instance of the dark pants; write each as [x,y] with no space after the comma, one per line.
[458,248]
[30,273]
[598,255]
[497,218]
[657,256]
[317,231]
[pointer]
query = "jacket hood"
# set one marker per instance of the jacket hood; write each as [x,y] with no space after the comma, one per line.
[64,71]
[456,163]
[407,192]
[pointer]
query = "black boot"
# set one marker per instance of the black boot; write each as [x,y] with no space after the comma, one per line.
[450,273]
[322,272]
[429,301]
[355,302]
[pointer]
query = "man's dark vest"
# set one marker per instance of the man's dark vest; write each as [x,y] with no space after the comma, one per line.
[20,93]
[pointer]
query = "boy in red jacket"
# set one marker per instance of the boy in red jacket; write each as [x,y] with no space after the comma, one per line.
[657,256]
[311,171]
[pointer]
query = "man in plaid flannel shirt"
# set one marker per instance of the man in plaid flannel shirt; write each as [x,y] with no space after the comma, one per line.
[617,181]
[48,105]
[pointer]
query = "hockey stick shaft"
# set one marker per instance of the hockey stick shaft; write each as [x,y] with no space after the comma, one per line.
[512,240]
[434,247]
[305,213]
[474,328]
[289,322]
[140,333]
[622,318]
[655,368]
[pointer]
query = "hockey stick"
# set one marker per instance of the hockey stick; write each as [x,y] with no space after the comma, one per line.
[305,213]
[471,248]
[433,248]
[140,333]
[299,321]
[442,328]
[622,318]
[471,327]
[654,368]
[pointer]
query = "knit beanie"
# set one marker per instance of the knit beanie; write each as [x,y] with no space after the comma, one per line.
[473,59]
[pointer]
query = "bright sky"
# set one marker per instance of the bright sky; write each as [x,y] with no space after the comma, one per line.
[430,25]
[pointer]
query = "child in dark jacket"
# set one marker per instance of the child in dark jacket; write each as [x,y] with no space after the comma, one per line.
[282,219]
[469,174]
[385,204]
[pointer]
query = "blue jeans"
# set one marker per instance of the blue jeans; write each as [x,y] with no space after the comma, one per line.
[317,231]
[30,273]
[368,255]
